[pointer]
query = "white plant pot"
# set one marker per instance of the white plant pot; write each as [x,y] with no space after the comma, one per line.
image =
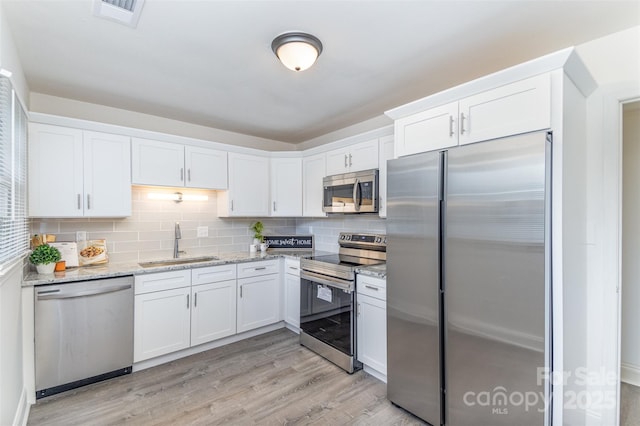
[253,248]
[263,247]
[46,268]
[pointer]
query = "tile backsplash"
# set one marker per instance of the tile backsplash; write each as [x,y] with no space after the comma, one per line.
[149,232]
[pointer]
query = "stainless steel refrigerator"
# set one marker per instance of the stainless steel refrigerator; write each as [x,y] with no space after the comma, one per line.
[468,293]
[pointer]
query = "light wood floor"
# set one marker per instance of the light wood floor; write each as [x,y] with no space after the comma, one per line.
[629,405]
[266,380]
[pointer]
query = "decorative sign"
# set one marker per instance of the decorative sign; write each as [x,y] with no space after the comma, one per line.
[289,242]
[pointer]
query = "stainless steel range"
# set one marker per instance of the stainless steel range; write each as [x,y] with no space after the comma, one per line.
[327,297]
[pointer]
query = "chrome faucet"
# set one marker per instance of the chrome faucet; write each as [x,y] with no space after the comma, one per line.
[178,235]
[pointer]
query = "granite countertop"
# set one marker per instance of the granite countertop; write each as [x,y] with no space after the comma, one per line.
[110,270]
[378,271]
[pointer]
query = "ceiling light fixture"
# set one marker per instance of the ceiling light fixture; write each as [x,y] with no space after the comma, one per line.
[297,51]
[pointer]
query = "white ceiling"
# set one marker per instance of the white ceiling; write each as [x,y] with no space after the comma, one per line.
[210,62]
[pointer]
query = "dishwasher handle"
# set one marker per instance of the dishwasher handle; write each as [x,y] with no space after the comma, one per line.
[56,294]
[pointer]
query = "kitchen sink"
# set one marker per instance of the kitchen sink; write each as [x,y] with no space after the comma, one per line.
[171,262]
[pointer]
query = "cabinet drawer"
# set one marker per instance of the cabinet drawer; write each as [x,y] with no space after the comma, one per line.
[162,281]
[292,267]
[373,287]
[212,274]
[254,269]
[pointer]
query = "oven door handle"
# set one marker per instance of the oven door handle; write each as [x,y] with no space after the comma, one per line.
[328,281]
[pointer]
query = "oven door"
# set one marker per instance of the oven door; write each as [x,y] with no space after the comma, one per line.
[327,310]
[351,193]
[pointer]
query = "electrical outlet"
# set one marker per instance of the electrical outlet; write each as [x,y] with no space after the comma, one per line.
[81,235]
[203,231]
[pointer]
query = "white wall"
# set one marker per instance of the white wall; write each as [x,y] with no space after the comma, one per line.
[13,397]
[630,356]
[614,62]
[54,105]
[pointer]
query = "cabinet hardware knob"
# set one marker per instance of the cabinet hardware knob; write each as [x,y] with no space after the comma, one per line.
[345,160]
[462,123]
[88,202]
[350,164]
[182,174]
[274,206]
[187,301]
[79,201]
[451,120]
[262,268]
[240,292]
[231,205]
[189,174]
[370,287]
[195,300]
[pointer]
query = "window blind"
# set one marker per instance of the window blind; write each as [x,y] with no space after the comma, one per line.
[14,225]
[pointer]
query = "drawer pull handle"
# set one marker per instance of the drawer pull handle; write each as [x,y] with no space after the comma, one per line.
[370,287]
[262,268]
[293,267]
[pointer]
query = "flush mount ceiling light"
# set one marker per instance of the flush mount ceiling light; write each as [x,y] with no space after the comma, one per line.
[297,51]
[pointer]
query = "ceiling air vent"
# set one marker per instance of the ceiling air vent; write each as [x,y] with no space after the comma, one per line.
[123,11]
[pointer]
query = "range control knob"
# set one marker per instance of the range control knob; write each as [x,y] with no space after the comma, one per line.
[348,237]
[385,240]
[378,240]
[342,237]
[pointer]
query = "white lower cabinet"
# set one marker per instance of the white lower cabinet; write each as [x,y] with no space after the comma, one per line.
[162,323]
[213,315]
[292,292]
[258,301]
[372,323]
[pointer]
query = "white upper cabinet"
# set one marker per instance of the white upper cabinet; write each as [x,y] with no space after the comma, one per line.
[248,193]
[515,108]
[205,168]
[386,153]
[313,171]
[354,158]
[172,164]
[520,107]
[286,187]
[427,130]
[92,173]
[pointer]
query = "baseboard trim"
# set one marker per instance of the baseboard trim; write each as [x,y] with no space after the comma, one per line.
[162,359]
[630,373]
[22,411]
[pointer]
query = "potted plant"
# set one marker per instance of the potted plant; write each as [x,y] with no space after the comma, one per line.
[257,229]
[45,257]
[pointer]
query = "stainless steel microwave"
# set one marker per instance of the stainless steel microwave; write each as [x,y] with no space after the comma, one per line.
[355,192]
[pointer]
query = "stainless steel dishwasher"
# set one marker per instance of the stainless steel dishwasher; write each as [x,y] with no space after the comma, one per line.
[83,333]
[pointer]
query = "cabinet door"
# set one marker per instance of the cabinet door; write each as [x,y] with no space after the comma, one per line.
[286,187]
[372,333]
[157,163]
[292,299]
[363,156]
[55,171]
[337,161]
[213,315]
[516,108]
[258,302]
[386,150]
[107,175]
[162,323]
[248,193]
[205,168]
[425,131]
[313,171]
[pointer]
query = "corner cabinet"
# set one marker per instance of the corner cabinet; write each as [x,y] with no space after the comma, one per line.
[386,153]
[286,187]
[354,158]
[171,164]
[91,169]
[519,107]
[248,193]
[314,169]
